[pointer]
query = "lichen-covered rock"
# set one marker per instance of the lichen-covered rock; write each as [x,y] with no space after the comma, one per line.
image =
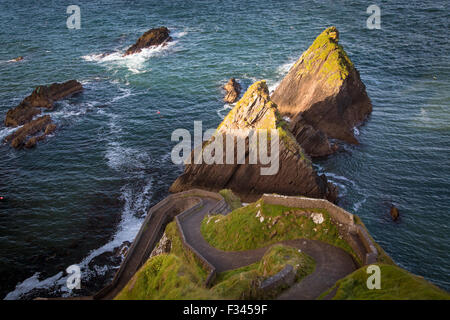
[41,97]
[153,37]
[295,176]
[233,89]
[323,89]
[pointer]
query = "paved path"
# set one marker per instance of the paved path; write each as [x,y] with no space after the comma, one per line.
[332,263]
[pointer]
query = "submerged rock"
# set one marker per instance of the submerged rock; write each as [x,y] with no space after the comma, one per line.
[295,175]
[32,132]
[233,89]
[323,95]
[153,37]
[19,58]
[395,214]
[41,97]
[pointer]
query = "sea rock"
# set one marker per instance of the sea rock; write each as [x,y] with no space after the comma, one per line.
[153,37]
[30,131]
[295,176]
[233,89]
[395,214]
[41,97]
[323,95]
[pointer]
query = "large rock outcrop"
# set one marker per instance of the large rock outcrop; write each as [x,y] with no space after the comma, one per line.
[36,130]
[32,132]
[41,97]
[296,176]
[323,95]
[233,90]
[153,37]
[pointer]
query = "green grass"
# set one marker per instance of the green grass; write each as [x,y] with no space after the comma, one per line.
[178,275]
[259,224]
[164,277]
[231,199]
[396,284]
[243,283]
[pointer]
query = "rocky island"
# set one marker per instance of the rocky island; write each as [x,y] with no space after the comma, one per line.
[296,176]
[34,130]
[323,95]
[153,37]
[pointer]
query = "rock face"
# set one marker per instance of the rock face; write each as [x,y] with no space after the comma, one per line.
[153,37]
[323,95]
[295,176]
[36,130]
[233,89]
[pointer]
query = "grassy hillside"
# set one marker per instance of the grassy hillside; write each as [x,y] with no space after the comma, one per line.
[260,224]
[396,284]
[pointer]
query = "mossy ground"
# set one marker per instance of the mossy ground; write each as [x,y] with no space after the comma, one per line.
[231,199]
[396,284]
[260,224]
[177,275]
[243,283]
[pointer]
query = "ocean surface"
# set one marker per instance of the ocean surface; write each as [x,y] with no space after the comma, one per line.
[86,189]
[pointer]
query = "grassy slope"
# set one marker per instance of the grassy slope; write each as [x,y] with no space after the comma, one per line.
[231,199]
[243,230]
[396,284]
[243,283]
[178,275]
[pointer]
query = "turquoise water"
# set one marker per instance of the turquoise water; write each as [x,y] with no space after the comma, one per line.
[86,189]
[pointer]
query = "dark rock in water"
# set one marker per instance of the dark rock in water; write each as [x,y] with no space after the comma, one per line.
[233,89]
[41,97]
[323,89]
[18,138]
[395,214]
[296,175]
[21,114]
[153,37]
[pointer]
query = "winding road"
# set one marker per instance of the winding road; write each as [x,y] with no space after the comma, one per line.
[332,263]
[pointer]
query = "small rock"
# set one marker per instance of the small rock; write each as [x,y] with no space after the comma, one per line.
[317,218]
[233,89]
[395,214]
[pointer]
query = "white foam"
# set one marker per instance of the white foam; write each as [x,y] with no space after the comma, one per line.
[358,205]
[31,283]
[221,112]
[134,62]
[4,132]
[281,71]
